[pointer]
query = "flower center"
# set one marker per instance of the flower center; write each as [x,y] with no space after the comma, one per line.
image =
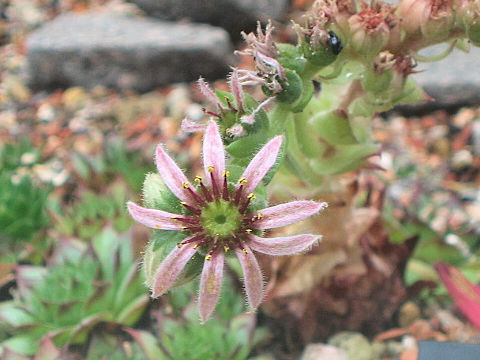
[220,218]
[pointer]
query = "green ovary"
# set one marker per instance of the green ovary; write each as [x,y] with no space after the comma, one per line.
[220,218]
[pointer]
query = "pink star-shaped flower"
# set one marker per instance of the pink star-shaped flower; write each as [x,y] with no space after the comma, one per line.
[220,218]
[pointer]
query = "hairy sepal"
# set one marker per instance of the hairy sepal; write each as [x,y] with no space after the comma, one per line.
[156,195]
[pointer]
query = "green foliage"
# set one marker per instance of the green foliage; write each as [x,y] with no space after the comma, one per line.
[86,217]
[113,348]
[11,155]
[105,167]
[82,286]
[229,335]
[22,207]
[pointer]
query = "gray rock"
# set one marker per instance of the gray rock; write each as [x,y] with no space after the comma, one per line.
[452,81]
[323,352]
[355,345]
[233,15]
[124,52]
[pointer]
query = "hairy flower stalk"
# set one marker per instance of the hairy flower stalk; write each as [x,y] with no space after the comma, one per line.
[220,219]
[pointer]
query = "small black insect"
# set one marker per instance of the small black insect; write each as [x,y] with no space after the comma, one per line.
[335,42]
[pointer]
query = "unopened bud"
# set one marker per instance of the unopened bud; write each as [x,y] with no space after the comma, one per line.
[369,32]
[292,88]
[438,20]
[377,79]
[411,14]
[322,47]
[157,195]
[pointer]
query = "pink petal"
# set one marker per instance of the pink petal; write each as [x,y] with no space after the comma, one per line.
[208,93]
[261,163]
[172,175]
[236,90]
[465,294]
[253,278]
[210,285]
[236,130]
[279,246]
[171,267]
[286,214]
[153,218]
[273,63]
[213,153]
[190,126]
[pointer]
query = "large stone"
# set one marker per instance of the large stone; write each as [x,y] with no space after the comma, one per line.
[124,52]
[233,15]
[453,81]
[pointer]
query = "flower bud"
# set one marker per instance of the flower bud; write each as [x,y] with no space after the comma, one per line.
[473,33]
[378,78]
[292,88]
[157,195]
[370,29]
[411,14]
[321,47]
[470,12]
[291,57]
[438,20]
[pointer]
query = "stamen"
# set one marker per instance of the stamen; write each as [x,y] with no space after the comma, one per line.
[211,113]
[191,208]
[191,240]
[203,242]
[191,228]
[238,192]
[240,245]
[259,216]
[212,250]
[225,194]
[186,220]
[196,197]
[226,248]
[248,231]
[215,190]
[229,103]
[206,192]
[250,198]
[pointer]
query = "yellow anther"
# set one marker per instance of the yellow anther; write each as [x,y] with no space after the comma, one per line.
[251,196]
[210,168]
[195,247]
[242,181]
[226,173]
[185,185]
[245,251]
[226,248]
[158,227]
[179,245]
[183,203]
[259,215]
[198,179]
[248,231]
[184,228]
[208,257]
